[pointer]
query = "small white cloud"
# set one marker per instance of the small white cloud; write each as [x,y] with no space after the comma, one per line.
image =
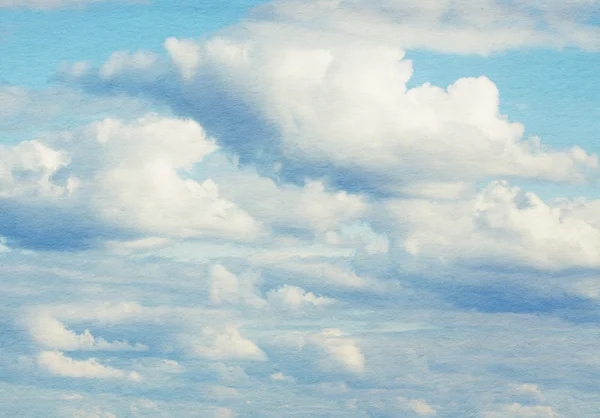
[340,350]
[52,333]
[142,404]
[227,287]
[296,298]
[58,364]
[280,377]
[227,343]
[123,61]
[421,407]
[529,389]
[185,54]
[223,392]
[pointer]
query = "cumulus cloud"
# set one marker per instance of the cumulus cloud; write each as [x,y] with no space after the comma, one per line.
[309,207]
[227,287]
[343,110]
[340,350]
[52,333]
[420,407]
[26,170]
[499,224]
[227,344]
[117,176]
[294,297]
[58,364]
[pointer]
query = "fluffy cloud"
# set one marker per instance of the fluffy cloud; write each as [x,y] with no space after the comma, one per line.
[226,287]
[294,297]
[227,343]
[343,110]
[340,350]
[122,176]
[309,207]
[58,364]
[421,407]
[500,224]
[26,170]
[52,333]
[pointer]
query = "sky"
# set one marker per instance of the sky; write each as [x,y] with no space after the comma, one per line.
[327,208]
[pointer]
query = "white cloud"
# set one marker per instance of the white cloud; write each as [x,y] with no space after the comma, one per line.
[280,377]
[340,350]
[58,364]
[142,404]
[226,343]
[324,273]
[478,26]
[123,61]
[227,287]
[139,183]
[308,207]
[128,176]
[499,224]
[185,54]
[421,407]
[294,297]
[345,104]
[52,333]
[26,170]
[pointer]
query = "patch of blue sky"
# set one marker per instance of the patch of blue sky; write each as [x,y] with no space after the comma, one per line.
[34,43]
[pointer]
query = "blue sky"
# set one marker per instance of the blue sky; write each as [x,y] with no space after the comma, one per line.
[306,209]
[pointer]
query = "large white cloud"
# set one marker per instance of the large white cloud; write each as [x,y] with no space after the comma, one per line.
[128,176]
[342,109]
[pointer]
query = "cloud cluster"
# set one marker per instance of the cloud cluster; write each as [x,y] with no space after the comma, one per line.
[306,232]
